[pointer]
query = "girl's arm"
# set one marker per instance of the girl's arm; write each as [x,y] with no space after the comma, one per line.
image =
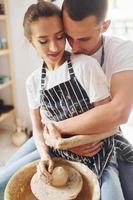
[75,141]
[38,129]
[38,132]
[80,140]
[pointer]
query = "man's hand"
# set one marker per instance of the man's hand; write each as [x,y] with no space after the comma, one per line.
[87,149]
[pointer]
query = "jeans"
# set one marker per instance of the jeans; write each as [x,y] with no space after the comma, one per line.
[111,186]
[126,178]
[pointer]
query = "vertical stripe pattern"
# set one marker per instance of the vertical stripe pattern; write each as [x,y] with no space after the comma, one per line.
[67,100]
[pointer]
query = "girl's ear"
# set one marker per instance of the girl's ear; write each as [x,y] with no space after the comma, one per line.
[30,41]
[105,25]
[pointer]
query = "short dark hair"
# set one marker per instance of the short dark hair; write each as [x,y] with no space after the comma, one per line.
[80,9]
[36,11]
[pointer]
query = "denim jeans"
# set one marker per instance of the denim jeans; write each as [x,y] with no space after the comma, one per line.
[111,186]
[126,178]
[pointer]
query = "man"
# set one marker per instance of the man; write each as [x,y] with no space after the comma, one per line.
[85,22]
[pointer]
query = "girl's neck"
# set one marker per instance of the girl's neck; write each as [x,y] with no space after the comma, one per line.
[55,66]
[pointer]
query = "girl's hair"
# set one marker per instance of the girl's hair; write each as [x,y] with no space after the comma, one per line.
[36,11]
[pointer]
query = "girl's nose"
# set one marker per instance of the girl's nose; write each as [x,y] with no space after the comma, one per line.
[53,47]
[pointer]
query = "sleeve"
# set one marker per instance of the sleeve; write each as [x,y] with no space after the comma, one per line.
[95,81]
[123,57]
[32,93]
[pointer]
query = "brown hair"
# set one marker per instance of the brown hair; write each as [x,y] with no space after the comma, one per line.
[80,9]
[36,11]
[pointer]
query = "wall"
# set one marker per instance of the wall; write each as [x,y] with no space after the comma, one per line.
[25,59]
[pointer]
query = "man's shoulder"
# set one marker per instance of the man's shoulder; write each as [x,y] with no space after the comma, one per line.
[113,42]
[83,59]
[85,64]
[118,56]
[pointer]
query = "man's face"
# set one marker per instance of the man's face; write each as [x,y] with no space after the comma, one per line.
[83,36]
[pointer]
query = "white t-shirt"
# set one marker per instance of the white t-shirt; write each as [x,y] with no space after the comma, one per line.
[58,3]
[87,70]
[118,56]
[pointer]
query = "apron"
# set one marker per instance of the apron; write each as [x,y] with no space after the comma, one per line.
[66,100]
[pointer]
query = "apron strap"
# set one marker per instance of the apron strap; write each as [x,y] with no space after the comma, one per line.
[70,67]
[43,75]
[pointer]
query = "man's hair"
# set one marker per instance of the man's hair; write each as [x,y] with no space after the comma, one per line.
[36,11]
[80,9]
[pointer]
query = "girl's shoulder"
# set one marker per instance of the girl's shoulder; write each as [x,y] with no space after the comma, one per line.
[35,76]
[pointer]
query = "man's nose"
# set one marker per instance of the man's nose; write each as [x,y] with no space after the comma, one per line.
[75,46]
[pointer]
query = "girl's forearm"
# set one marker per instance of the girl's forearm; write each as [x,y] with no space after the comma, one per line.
[38,129]
[40,143]
[78,140]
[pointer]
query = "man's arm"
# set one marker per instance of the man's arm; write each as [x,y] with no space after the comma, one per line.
[105,117]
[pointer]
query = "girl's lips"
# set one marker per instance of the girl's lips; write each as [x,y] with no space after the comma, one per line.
[54,55]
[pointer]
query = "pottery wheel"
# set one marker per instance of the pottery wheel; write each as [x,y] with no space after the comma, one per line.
[42,190]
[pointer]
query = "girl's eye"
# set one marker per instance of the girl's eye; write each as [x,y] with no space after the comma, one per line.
[59,37]
[42,42]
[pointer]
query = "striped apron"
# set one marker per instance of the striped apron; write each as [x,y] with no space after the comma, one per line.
[67,100]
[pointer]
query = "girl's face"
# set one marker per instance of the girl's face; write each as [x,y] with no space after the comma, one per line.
[47,36]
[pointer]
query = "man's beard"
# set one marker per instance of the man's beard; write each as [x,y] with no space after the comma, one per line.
[83,52]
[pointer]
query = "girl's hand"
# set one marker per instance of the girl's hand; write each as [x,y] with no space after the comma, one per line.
[44,119]
[45,167]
